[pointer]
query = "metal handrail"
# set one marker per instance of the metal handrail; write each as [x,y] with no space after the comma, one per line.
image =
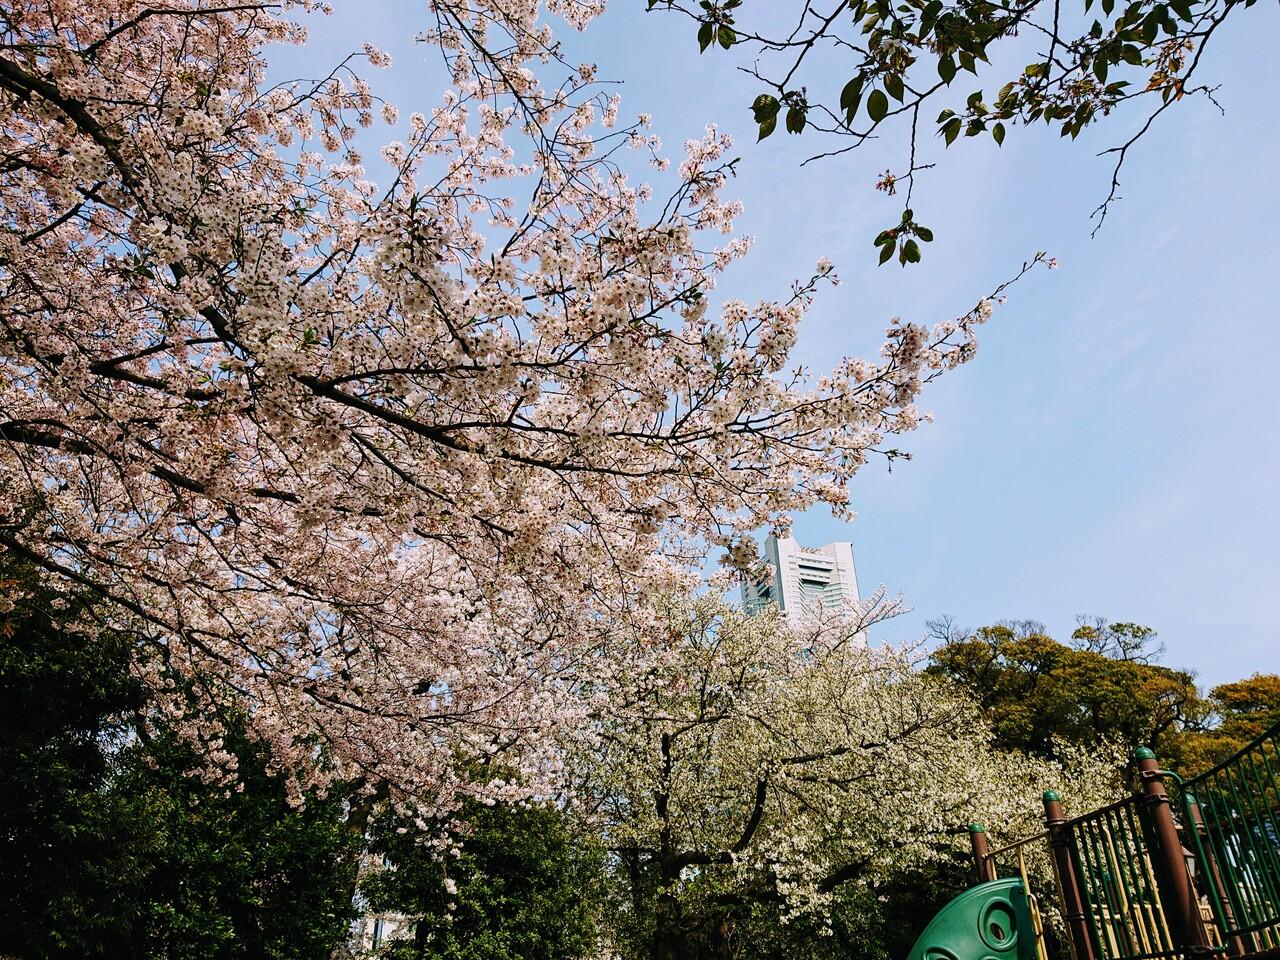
[1043,834]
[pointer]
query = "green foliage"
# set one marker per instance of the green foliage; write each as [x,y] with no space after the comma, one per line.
[114,846]
[1238,713]
[1106,687]
[235,871]
[1035,689]
[902,239]
[521,887]
[871,921]
[68,852]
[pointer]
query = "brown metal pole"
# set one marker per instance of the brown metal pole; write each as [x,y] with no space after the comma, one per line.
[986,867]
[1176,890]
[1235,943]
[1072,899]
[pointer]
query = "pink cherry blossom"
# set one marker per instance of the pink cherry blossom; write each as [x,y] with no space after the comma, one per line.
[387,463]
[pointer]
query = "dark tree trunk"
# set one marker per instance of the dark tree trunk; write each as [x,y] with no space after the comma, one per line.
[667,927]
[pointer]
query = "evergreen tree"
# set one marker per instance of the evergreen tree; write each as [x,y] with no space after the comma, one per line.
[521,887]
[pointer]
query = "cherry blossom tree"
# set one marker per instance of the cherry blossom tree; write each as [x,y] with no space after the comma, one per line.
[765,764]
[389,463]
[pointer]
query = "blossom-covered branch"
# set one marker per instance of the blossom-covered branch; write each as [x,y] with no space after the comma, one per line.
[388,463]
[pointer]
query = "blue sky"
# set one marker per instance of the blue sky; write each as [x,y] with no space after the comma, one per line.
[1114,447]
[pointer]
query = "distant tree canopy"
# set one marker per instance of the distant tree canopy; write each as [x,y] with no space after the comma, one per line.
[858,70]
[1106,686]
[523,886]
[1239,712]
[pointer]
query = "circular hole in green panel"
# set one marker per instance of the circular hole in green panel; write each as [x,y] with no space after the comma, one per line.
[997,925]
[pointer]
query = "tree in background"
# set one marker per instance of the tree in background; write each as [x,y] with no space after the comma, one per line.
[1107,686]
[238,869]
[115,845]
[510,882]
[1035,690]
[900,62]
[1237,713]
[70,864]
[767,783]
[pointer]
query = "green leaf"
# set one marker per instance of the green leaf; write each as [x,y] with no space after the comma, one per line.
[706,34]
[764,106]
[795,120]
[877,105]
[911,250]
[925,234]
[927,20]
[886,252]
[947,69]
[1100,69]
[997,133]
[951,130]
[767,126]
[851,93]
[726,36]
[893,86]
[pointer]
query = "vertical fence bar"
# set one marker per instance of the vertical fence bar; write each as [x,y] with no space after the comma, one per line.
[1072,904]
[1213,874]
[1151,893]
[1178,894]
[1226,841]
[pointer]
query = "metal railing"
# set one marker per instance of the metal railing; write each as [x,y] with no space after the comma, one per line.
[1113,860]
[1233,815]
[1023,854]
[1177,870]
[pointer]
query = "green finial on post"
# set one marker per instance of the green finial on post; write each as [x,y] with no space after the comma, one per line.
[1144,753]
[977,828]
[1052,796]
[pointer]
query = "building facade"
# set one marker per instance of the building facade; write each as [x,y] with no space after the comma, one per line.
[804,580]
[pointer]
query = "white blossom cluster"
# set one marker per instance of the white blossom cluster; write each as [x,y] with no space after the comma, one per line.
[786,763]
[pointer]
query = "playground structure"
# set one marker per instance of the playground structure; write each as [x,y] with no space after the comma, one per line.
[1179,869]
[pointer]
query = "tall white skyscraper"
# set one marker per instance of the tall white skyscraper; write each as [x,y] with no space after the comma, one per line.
[804,580]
